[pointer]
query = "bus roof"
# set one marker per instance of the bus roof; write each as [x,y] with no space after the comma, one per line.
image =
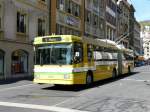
[71,38]
[56,39]
[99,42]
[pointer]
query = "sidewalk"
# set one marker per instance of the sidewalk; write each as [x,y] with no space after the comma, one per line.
[14,79]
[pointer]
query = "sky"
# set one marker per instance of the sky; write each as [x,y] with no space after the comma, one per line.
[142,8]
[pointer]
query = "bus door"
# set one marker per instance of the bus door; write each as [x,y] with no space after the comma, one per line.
[90,59]
[120,61]
[78,64]
[90,56]
[78,55]
[125,63]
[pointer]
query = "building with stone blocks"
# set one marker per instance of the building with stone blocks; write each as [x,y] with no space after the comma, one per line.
[20,22]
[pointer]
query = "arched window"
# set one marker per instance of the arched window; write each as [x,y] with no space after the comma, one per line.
[19,62]
[1,62]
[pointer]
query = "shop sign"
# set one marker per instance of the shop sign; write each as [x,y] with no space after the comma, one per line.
[68,20]
[72,21]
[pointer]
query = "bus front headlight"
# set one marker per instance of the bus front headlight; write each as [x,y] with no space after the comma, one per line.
[36,76]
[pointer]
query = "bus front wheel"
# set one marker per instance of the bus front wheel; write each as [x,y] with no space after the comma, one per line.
[89,78]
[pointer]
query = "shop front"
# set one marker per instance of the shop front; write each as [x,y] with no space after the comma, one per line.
[19,62]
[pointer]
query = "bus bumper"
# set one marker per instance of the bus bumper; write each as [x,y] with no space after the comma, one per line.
[64,79]
[54,81]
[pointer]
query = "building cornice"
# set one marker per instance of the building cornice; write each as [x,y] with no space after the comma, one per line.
[31,5]
[13,41]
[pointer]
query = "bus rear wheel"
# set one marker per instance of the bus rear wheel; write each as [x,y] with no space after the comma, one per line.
[89,78]
[129,70]
[114,73]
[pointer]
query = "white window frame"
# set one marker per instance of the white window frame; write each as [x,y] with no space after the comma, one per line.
[1,16]
[43,2]
[26,21]
[45,25]
[61,5]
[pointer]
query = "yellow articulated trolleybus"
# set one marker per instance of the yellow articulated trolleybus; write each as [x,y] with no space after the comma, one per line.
[68,60]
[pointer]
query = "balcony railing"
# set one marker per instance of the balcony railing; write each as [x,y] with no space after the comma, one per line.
[22,37]
[42,5]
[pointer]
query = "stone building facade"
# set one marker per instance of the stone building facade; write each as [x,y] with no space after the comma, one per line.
[20,22]
[145,35]
[137,39]
[111,19]
[123,21]
[78,17]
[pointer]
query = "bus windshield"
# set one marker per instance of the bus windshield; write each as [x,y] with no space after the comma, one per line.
[53,54]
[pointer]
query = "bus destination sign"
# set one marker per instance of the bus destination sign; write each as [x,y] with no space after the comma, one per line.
[51,39]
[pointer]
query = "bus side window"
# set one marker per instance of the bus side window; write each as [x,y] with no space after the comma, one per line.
[89,52]
[98,52]
[123,57]
[78,53]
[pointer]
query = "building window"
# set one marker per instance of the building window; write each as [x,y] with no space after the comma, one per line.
[88,17]
[60,29]
[21,22]
[76,9]
[61,4]
[111,19]
[41,27]
[107,32]
[147,50]
[95,22]
[111,5]
[19,62]
[101,26]
[1,63]
[69,6]
[0,17]
[112,35]
[95,3]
